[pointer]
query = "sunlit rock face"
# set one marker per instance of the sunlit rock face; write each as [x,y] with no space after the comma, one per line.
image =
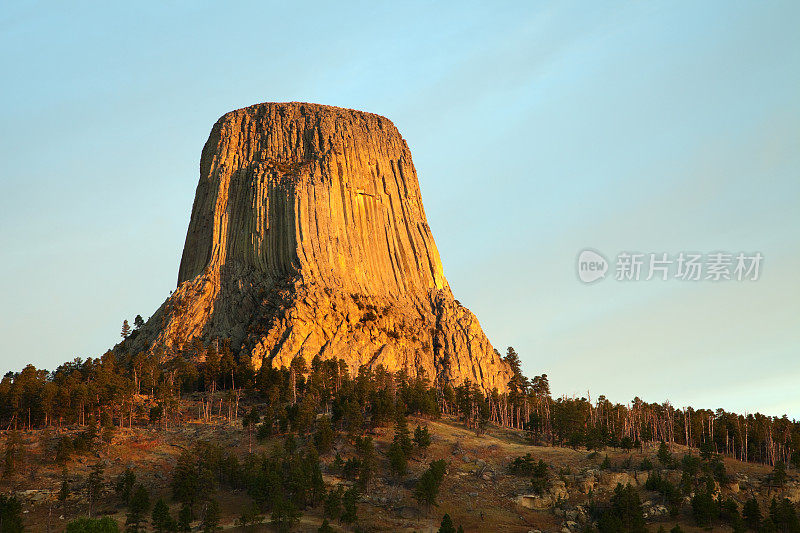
[308,237]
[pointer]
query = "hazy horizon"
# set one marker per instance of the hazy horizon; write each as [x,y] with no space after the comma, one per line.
[536,131]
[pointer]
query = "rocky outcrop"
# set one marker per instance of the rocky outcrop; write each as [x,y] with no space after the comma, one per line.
[308,237]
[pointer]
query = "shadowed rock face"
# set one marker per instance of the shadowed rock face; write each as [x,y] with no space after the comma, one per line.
[308,237]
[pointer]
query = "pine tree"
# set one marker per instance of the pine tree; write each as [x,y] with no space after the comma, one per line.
[139,504]
[447,525]
[210,519]
[10,515]
[94,485]
[64,492]
[124,486]
[427,489]
[422,437]
[126,329]
[161,518]
[185,518]
[664,457]
[751,513]
[138,322]
[349,509]
[397,458]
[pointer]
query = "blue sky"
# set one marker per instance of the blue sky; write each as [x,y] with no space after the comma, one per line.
[537,129]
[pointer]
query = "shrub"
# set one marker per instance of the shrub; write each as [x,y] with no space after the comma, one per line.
[93,525]
[624,514]
[427,489]
[540,481]
[10,514]
[522,466]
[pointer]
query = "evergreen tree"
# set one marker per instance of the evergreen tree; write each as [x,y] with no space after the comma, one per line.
[10,515]
[427,489]
[401,434]
[94,485]
[778,476]
[139,504]
[422,438]
[162,519]
[185,480]
[333,503]
[324,436]
[447,525]
[138,322]
[663,456]
[126,329]
[397,458]
[349,509]
[751,513]
[64,492]
[783,515]
[185,518]
[210,519]
[125,484]
[625,513]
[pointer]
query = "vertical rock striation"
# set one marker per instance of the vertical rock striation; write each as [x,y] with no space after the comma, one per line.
[308,237]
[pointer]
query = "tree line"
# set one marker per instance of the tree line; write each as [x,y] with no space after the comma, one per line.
[208,380]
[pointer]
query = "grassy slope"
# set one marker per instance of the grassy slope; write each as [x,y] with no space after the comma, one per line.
[479,497]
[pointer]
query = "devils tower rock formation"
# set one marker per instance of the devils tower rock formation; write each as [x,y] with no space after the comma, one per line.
[308,237]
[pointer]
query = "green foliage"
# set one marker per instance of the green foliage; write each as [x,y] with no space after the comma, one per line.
[138,507]
[397,458]
[729,514]
[663,455]
[704,508]
[185,518]
[64,491]
[540,478]
[93,525]
[447,525]
[325,527]
[349,509]
[778,476]
[162,519]
[13,454]
[606,464]
[366,452]
[657,483]
[624,514]
[783,514]
[124,485]
[427,489]
[522,466]
[402,435]
[209,521]
[333,503]
[64,450]
[646,464]
[251,516]
[94,484]
[751,512]
[10,515]
[422,437]
[324,436]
